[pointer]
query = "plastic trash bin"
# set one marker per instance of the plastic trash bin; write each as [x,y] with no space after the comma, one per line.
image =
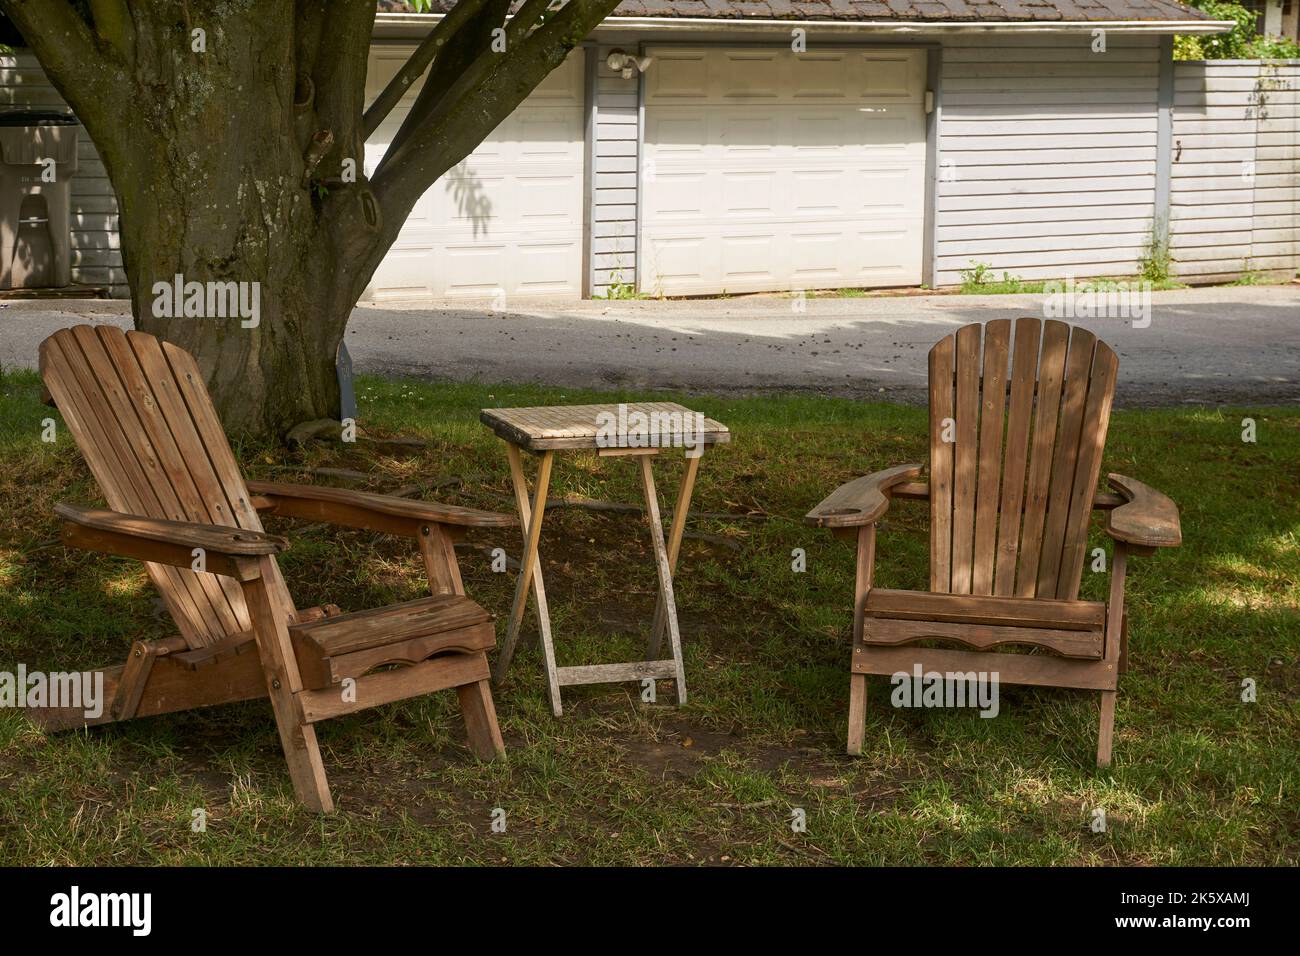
[35,239]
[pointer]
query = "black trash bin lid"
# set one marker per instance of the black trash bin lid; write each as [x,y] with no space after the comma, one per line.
[36,118]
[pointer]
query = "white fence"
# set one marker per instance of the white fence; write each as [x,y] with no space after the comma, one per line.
[1235,175]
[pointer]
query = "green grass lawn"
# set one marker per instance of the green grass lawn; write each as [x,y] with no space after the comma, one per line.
[1200,777]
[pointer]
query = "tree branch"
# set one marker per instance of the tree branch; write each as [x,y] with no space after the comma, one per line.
[520,46]
[113,25]
[455,73]
[60,38]
[470,45]
[493,86]
[333,45]
[526,17]
[419,61]
[75,64]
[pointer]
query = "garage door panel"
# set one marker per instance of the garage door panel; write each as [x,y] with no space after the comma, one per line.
[408,276]
[562,86]
[821,76]
[545,141]
[473,267]
[680,136]
[886,192]
[542,265]
[742,75]
[819,192]
[508,218]
[895,135]
[816,254]
[685,260]
[795,191]
[749,258]
[894,76]
[747,194]
[545,200]
[681,75]
[465,201]
[742,132]
[827,133]
[679,196]
[885,256]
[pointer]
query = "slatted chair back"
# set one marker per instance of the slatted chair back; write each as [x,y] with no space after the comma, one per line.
[1016,437]
[143,419]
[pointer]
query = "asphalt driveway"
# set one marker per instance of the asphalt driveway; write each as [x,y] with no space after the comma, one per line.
[1210,345]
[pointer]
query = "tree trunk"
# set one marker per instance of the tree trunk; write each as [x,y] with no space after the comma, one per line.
[267,346]
[215,194]
[224,138]
[233,134]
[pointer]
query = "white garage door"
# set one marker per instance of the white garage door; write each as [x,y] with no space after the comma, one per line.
[506,220]
[768,170]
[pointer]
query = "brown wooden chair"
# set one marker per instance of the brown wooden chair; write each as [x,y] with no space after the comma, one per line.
[1014,462]
[141,414]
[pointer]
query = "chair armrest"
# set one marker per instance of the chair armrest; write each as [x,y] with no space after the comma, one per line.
[862,500]
[1147,519]
[233,552]
[360,509]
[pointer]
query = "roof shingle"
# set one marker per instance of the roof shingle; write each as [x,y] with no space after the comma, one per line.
[918,10]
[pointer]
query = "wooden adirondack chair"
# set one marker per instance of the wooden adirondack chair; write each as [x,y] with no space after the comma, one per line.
[1012,484]
[142,417]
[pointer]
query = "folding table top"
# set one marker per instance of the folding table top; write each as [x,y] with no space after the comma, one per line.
[626,425]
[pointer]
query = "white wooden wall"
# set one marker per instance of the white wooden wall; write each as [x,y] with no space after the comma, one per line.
[1047,155]
[1046,164]
[614,179]
[96,247]
[1235,182]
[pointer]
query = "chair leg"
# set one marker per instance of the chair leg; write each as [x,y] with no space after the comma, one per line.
[1123,645]
[267,612]
[863,573]
[481,720]
[306,770]
[857,712]
[1106,733]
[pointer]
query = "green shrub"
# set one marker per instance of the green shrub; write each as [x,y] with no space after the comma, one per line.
[1239,43]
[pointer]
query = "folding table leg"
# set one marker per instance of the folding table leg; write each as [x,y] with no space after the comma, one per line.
[530,572]
[675,533]
[664,570]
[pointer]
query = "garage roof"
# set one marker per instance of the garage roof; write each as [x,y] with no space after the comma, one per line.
[974,11]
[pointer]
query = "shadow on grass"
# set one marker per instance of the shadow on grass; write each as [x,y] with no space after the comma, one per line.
[1200,776]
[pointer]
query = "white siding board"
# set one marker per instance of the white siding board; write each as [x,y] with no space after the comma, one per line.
[1064,231]
[1046,214]
[615,178]
[1046,156]
[1035,97]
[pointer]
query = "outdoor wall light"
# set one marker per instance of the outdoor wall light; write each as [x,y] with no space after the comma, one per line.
[627,64]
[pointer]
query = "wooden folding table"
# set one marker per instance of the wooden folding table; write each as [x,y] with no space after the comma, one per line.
[542,431]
